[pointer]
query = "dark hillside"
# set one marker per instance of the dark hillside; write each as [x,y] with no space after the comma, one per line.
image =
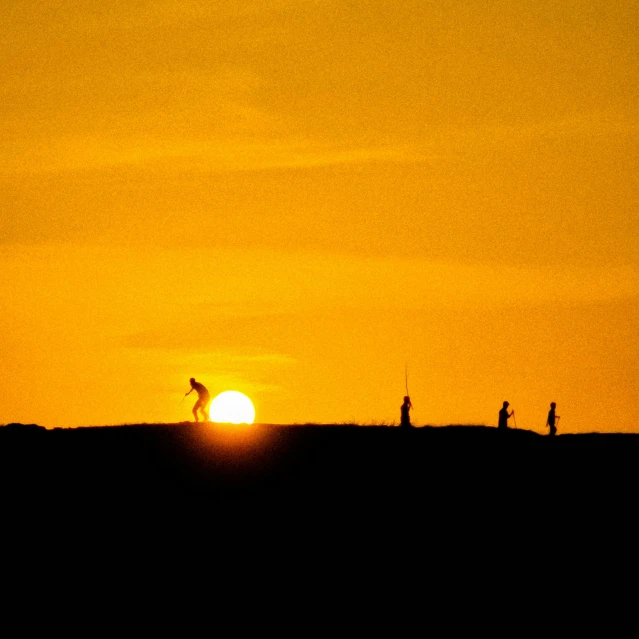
[204,460]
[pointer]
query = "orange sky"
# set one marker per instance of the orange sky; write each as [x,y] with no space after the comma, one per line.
[298,198]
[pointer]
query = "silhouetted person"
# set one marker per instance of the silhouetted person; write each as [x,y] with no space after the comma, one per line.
[203,399]
[405,412]
[550,422]
[504,416]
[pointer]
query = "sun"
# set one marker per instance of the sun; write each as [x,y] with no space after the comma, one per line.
[232,407]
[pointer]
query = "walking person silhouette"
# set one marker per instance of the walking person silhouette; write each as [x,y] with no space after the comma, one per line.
[504,416]
[203,399]
[405,412]
[550,422]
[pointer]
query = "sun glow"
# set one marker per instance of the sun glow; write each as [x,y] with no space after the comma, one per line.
[232,407]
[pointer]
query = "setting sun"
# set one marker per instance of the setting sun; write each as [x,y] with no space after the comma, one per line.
[232,407]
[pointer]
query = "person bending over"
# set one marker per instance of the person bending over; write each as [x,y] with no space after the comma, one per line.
[203,399]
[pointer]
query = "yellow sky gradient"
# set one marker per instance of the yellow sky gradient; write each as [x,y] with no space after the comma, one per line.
[298,198]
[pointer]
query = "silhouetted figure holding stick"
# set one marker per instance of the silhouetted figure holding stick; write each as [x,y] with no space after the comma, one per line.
[203,399]
[504,415]
[405,412]
[550,422]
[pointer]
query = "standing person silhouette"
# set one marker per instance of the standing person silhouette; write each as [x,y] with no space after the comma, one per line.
[203,399]
[504,416]
[405,412]
[550,422]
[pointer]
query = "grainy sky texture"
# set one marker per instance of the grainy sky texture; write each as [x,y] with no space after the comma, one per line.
[298,198]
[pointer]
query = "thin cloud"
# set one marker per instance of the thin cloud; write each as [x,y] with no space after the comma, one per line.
[82,154]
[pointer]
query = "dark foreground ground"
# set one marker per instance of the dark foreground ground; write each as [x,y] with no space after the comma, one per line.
[218,464]
[341,507]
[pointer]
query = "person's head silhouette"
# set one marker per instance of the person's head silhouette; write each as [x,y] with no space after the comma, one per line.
[506,404]
[553,405]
